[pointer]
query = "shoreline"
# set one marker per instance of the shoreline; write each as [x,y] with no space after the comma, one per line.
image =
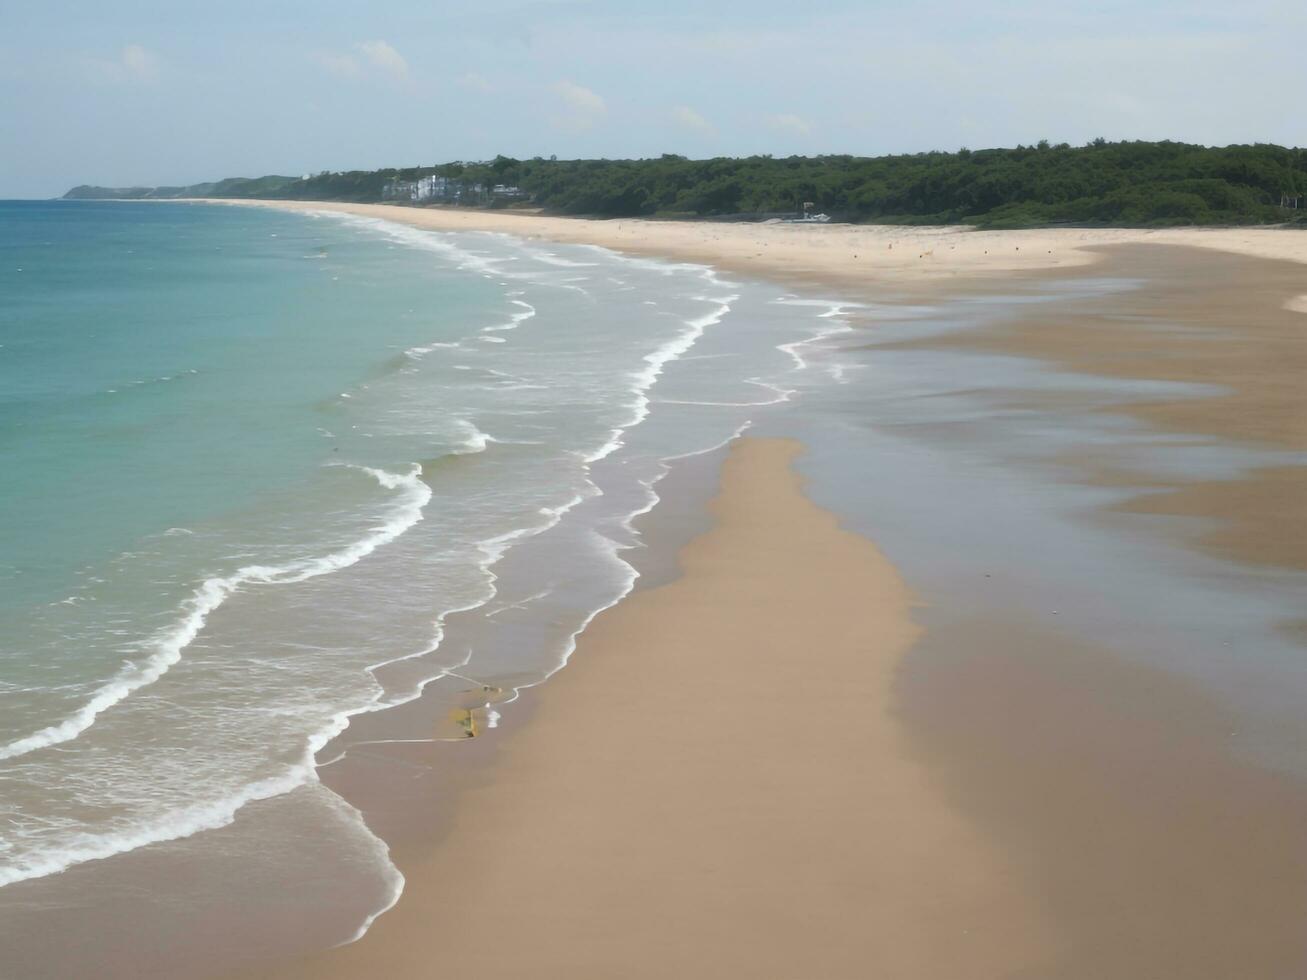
[1261,363]
[845,257]
[774,825]
[1055,907]
[1159,843]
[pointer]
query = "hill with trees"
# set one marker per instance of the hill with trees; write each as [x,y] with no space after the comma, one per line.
[1102,183]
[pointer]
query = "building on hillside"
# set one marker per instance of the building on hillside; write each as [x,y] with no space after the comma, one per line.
[399,190]
[433,188]
[445,190]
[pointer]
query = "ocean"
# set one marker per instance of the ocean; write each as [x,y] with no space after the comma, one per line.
[255,460]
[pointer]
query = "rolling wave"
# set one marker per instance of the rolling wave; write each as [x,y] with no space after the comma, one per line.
[167,646]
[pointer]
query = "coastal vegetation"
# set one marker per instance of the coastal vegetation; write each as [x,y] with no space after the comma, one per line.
[1101,183]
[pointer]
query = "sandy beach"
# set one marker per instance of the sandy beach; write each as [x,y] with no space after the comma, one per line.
[714,790]
[1225,321]
[612,491]
[847,257]
[819,789]
[1240,292]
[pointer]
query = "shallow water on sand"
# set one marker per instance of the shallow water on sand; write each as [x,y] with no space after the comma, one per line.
[259,459]
[979,474]
[1108,696]
[287,486]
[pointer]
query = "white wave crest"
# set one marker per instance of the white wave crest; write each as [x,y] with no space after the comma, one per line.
[515,319]
[167,646]
[654,364]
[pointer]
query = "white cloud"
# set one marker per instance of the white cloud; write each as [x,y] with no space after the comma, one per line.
[475,83]
[133,64]
[138,62]
[790,122]
[583,108]
[687,117]
[344,65]
[381,55]
[366,58]
[579,98]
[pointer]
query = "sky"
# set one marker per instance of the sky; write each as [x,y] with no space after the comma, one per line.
[147,92]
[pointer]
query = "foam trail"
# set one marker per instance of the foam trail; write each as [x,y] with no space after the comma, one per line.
[655,363]
[634,399]
[81,847]
[550,258]
[432,241]
[178,823]
[493,549]
[614,549]
[212,593]
[520,604]
[475,440]
[833,311]
[515,319]
[782,395]
[415,353]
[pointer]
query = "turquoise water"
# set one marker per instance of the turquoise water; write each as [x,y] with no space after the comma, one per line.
[163,364]
[253,461]
[272,480]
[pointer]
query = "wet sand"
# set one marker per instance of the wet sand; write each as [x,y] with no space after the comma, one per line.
[1223,307]
[1203,318]
[993,798]
[717,788]
[1123,800]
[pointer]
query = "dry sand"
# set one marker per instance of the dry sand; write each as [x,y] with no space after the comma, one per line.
[717,788]
[843,256]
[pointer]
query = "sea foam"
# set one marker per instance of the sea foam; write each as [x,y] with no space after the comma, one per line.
[166,647]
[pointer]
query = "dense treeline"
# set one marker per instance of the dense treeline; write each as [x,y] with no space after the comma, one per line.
[1133,183]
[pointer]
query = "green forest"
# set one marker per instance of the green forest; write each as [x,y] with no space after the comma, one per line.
[1102,183]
